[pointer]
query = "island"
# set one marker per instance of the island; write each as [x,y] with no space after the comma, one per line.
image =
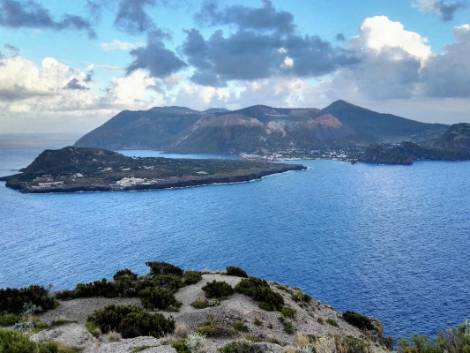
[93,169]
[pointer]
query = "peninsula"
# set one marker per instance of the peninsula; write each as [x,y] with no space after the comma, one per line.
[93,169]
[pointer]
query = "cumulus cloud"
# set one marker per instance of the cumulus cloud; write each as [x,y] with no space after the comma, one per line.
[155,57]
[445,9]
[265,17]
[30,14]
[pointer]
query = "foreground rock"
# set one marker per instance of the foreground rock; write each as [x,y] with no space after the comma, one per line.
[91,169]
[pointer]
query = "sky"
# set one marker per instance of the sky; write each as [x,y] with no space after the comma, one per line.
[68,66]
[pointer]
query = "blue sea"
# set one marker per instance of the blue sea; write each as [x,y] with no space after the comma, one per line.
[392,242]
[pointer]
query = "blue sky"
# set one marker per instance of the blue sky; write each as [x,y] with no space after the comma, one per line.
[401,56]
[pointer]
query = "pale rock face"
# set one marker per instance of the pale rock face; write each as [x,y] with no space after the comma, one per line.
[73,335]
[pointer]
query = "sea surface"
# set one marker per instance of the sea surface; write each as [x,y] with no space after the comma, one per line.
[392,242]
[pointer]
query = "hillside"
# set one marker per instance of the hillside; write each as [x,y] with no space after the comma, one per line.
[256,129]
[173,311]
[91,169]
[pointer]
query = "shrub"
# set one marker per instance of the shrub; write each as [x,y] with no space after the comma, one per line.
[131,321]
[360,321]
[15,342]
[163,268]
[172,282]
[158,298]
[125,275]
[218,290]
[236,271]
[7,319]
[240,326]
[180,346]
[237,347]
[350,344]
[101,288]
[298,296]
[453,340]
[287,325]
[260,291]
[17,301]
[196,343]
[192,277]
[213,330]
[332,322]
[200,303]
[288,312]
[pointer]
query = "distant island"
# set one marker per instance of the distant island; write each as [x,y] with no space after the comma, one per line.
[92,169]
[339,131]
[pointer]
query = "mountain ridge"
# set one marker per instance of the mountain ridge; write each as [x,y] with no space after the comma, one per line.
[254,129]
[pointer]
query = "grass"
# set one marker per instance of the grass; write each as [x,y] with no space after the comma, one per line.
[16,342]
[239,326]
[287,325]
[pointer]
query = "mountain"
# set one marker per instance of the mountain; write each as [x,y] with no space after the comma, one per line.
[254,129]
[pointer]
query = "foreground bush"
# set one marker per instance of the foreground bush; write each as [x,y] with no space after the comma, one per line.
[33,298]
[7,319]
[163,268]
[192,277]
[15,342]
[217,289]
[260,291]
[238,347]
[131,321]
[360,321]
[125,275]
[456,340]
[158,298]
[235,271]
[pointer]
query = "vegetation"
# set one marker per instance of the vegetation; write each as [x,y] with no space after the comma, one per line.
[125,275]
[236,271]
[200,303]
[456,340]
[237,347]
[287,325]
[217,289]
[131,321]
[158,298]
[33,298]
[239,326]
[213,330]
[8,319]
[360,321]
[350,344]
[192,277]
[180,346]
[332,322]
[15,342]
[164,268]
[288,312]
[260,291]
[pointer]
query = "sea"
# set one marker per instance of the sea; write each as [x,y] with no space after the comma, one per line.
[392,242]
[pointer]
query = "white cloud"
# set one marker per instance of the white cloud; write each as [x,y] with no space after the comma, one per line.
[119,45]
[379,34]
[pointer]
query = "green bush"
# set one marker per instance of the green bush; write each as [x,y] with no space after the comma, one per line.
[456,340]
[163,268]
[125,275]
[16,301]
[158,298]
[15,342]
[7,319]
[217,289]
[237,347]
[180,346]
[131,321]
[332,322]
[192,277]
[350,344]
[287,325]
[172,282]
[236,271]
[288,312]
[360,321]
[213,330]
[200,303]
[239,326]
[102,288]
[260,291]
